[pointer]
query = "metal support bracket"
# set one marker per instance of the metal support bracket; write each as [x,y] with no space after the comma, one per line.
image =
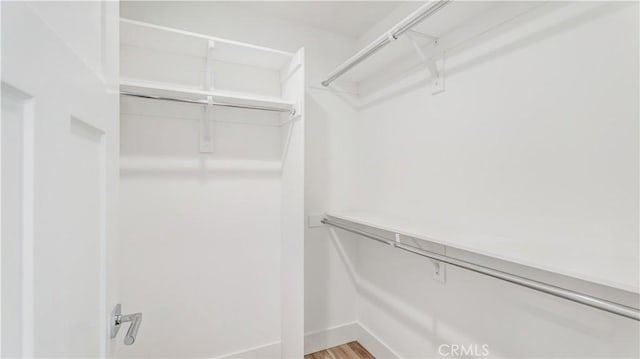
[439,268]
[440,271]
[208,71]
[437,75]
[414,34]
[206,127]
[206,121]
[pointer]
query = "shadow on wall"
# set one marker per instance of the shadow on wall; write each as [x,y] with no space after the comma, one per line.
[405,312]
[162,139]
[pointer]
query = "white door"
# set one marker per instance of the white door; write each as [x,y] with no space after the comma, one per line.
[59,148]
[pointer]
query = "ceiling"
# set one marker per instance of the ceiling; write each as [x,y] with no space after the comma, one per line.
[352,18]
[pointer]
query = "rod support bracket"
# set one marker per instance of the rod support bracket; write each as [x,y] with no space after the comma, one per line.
[439,268]
[206,127]
[206,121]
[208,71]
[437,74]
[439,271]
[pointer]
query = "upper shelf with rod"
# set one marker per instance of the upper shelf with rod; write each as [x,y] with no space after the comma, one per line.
[424,36]
[235,74]
[178,66]
[219,98]
[604,295]
[162,38]
[391,35]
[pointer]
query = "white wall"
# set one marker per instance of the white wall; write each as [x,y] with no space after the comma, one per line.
[329,295]
[201,238]
[533,144]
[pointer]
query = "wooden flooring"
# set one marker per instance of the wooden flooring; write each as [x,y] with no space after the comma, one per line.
[351,350]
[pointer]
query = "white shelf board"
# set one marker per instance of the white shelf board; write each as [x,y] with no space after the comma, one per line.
[454,23]
[166,39]
[226,97]
[550,257]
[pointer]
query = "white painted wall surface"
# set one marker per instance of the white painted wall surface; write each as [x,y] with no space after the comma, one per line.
[200,234]
[534,146]
[329,295]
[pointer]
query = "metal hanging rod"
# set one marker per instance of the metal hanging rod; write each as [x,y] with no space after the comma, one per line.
[204,102]
[405,25]
[602,304]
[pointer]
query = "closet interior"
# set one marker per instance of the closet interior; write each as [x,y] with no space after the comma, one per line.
[320,179]
[211,188]
[452,176]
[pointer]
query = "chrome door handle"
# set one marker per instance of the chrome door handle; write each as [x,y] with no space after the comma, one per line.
[117,319]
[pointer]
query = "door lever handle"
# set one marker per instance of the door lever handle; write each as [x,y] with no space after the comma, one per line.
[135,320]
[117,319]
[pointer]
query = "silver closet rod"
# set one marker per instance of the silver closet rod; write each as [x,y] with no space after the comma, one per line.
[204,102]
[405,25]
[611,307]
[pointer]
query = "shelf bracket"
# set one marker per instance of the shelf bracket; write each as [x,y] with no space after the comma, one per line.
[413,33]
[295,115]
[439,268]
[439,271]
[437,76]
[206,121]
[208,71]
[206,127]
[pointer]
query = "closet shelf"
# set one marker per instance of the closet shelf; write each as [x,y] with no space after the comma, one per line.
[434,29]
[550,257]
[170,40]
[220,98]
[542,280]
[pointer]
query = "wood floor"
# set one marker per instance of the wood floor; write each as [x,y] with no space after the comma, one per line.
[351,350]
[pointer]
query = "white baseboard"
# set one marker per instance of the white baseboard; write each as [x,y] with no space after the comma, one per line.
[378,348]
[330,337]
[323,339]
[345,333]
[266,351]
